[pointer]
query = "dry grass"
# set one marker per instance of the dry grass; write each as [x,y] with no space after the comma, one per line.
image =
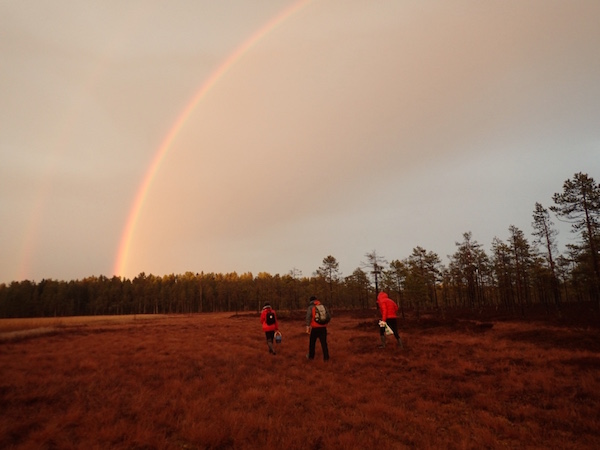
[208,382]
[9,325]
[11,329]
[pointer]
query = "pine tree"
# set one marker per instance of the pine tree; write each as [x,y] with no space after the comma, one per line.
[545,235]
[521,253]
[329,271]
[579,205]
[375,264]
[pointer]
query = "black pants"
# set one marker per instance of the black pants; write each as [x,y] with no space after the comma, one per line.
[270,335]
[319,333]
[393,323]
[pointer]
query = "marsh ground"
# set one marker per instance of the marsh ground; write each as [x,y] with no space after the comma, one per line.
[207,381]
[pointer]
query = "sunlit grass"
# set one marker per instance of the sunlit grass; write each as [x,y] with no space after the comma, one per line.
[46,323]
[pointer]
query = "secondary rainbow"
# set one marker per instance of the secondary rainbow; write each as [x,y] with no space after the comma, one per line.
[142,192]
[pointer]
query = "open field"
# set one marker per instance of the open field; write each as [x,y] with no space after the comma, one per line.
[11,329]
[208,381]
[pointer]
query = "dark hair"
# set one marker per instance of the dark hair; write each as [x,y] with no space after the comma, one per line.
[313,298]
[267,304]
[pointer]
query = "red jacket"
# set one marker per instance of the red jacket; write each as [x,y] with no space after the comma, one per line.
[387,306]
[263,320]
[310,315]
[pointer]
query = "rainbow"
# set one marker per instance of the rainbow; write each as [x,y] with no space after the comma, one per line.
[142,192]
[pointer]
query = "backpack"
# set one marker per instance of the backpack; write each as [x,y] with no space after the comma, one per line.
[322,316]
[270,317]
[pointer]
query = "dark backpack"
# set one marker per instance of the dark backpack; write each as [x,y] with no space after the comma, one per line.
[322,316]
[270,317]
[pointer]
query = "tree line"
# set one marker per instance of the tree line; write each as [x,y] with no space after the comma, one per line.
[517,274]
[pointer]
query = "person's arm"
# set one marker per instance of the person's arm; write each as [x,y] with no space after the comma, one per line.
[309,316]
[384,311]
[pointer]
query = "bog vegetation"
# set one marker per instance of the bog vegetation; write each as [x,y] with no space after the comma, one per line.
[518,275]
[207,381]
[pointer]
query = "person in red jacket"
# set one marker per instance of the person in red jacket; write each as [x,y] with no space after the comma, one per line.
[316,331]
[389,315]
[270,325]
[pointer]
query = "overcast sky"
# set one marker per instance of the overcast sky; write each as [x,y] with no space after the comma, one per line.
[284,131]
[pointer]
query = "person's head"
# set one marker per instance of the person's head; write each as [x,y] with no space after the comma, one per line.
[312,299]
[267,305]
[381,296]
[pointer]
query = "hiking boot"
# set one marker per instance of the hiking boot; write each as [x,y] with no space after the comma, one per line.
[382,341]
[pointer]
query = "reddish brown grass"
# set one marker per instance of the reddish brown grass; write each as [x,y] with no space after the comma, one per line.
[208,382]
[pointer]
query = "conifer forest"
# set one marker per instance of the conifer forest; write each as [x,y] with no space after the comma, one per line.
[515,276]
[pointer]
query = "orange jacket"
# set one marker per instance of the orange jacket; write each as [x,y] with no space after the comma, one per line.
[263,320]
[387,306]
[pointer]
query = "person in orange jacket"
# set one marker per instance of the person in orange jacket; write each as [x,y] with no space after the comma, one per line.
[389,315]
[316,331]
[270,325]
